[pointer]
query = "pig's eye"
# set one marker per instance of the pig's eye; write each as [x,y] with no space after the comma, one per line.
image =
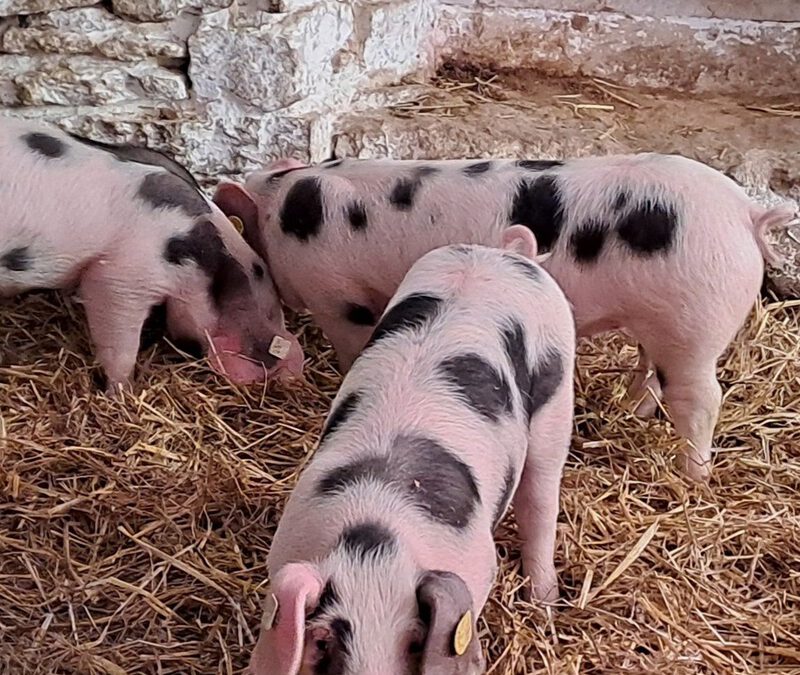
[258,271]
[322,645]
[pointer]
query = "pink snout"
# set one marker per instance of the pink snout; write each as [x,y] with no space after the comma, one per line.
[282,357]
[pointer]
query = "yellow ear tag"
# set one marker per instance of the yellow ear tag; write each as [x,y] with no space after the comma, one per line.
[237,223]
[270,611]
[463,634]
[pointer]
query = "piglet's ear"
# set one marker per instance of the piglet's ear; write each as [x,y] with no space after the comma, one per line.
[295,591]
[519,239]
[234,201]
[451,646]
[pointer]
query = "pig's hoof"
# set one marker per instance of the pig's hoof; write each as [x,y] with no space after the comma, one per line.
[694,467]
[116,390]
[646,408]
[544,589]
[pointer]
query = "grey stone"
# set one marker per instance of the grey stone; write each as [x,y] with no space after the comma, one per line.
[84,80]
[254,68]
[94,30]
[12,7]
[161,10]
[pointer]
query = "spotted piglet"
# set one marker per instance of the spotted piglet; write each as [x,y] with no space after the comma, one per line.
[661,246]
[463,398]
[132,229]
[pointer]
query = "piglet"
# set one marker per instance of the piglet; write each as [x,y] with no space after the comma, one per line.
[132,229]
[661,246]
[462,399]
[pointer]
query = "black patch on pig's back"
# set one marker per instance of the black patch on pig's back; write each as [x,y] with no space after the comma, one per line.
[538,164]
[527,267]
[357,215]
[432,478]
[477,168]
[17,259]
[411,313]
[649,227]
[302,212]
[45,144]
[164,190]
[367,540]
[587,240]
[536,384]
[479,384]
[537,205]
[404,190]
[341,413]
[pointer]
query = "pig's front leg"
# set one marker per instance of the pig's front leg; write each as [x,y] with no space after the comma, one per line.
[536,501]
[347,338]
[116,312]
[644,393]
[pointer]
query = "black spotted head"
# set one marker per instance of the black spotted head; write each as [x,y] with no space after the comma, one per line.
[242,322]
[371,610]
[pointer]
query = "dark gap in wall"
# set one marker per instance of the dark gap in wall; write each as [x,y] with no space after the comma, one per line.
[107,5]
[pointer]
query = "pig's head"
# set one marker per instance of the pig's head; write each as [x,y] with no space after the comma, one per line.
[367,609]
[253,204]
[240,318]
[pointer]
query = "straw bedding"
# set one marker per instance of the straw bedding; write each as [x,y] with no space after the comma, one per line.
[133,535]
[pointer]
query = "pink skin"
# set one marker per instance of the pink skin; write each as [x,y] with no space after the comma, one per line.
[665,301]
[482,290]
[81,220]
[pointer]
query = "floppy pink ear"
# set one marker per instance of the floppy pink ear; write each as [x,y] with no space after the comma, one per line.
[519,239]
[279,651]
[234,200]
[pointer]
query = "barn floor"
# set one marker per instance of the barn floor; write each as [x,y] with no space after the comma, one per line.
[133,535]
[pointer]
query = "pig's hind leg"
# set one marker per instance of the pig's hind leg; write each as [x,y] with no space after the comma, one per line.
[693,396]
[116,311]
[536,502]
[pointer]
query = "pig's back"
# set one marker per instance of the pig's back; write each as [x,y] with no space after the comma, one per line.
[63,204]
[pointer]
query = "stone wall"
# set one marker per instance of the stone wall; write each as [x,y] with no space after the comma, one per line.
[226,85]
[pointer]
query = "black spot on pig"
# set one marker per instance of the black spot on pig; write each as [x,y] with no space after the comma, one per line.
[538,164]
[649,227]
[360,315]
[334,652]
[528,268]
[258,270]
[368,540]
[302,212]
[405,189]
[260,352]
[341,413]
[661,377]
[411,313]
[17,259]
[357,215]
[537,205]
[505,497]
[435,480]
[162,190]
[327,599]
[587,241]
[45,144]
[621,201]
[477,168]
[140,155]
[205,247]
[478,382]
[538,384]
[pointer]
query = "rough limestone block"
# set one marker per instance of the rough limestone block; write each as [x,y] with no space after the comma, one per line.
[12,7]
[161,10]
[94,30]
[85,80]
